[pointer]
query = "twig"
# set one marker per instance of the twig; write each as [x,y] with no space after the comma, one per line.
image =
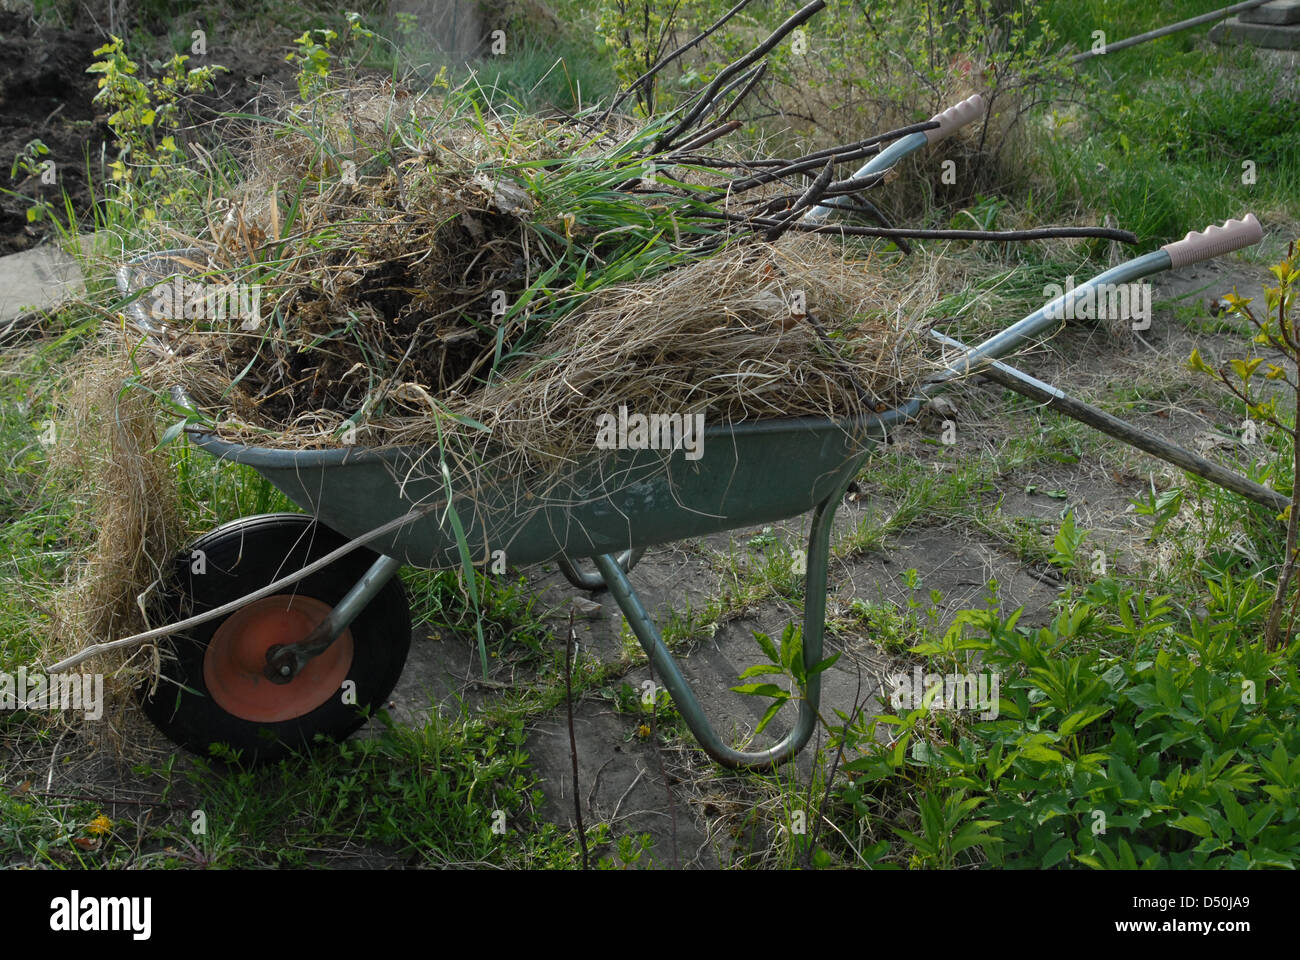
[811,196]
[669,58]
[896,134]
[744,78]
[707,137]
[595,786]
[679,154]
[706,98]
[1043,233]
[803,165]
[105,801]
[618,806]
[573,740]
[859,204]
[49,778]
[839,755]
[746,91]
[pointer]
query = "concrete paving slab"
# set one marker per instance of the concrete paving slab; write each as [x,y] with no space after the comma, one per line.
[1275,12]
[1273,36]
[38,279]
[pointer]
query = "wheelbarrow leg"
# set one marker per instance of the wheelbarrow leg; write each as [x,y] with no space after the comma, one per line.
[594,581]
[814,622]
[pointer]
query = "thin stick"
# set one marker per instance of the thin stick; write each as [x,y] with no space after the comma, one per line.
[745,91]
[811,196]
[803,165]
[573,740]
[726,74]
[861,205]
[637,779]
[105,801]
[744,79]
[707,137]
[679,154]
[669,58]
[1042,233]
[841,154]
[897,134]
[225,608]
[839,755]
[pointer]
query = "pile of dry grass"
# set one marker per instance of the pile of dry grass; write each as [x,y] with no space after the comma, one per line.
[107,439]
[793,328]
[790,329]
[518,272]
[380,245]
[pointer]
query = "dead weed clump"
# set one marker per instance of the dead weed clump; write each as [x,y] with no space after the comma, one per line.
[108,440]
[420,263]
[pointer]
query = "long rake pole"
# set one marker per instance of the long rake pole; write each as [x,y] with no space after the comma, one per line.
[1165,31]
[1099,419]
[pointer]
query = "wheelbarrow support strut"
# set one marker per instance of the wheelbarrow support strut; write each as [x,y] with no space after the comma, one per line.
[814,618]
[285,660]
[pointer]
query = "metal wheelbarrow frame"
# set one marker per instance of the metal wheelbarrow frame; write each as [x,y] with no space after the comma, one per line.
[612,510]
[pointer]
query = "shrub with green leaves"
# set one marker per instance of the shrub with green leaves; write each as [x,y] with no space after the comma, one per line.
[640,32]
[147,117]
[1249,380]
[859,64]
[1130,733]
[32,161]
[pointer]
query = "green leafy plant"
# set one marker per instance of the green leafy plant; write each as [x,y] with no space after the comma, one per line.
[146,117]
[628,853]
[947,830]
[1068,543]
[785,660]
[318,49]
[1129,735]
[28,161]
[1162,507]
[1245,378]
[313,60]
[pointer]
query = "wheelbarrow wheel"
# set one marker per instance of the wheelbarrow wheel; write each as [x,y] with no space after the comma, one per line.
[211,688]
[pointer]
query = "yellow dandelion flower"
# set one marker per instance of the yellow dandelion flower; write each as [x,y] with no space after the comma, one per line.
[643,731]
[100,825]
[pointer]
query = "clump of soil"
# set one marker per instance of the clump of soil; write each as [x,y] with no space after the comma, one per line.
[45,94]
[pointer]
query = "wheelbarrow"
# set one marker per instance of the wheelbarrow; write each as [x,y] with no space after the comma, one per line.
[294,625]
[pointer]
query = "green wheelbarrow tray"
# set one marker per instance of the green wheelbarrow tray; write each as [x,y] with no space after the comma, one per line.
[749,474]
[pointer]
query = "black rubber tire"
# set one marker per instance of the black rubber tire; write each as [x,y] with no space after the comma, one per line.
[243,556]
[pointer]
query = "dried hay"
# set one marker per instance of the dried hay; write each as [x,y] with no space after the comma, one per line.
[107,439]
[794,329]
[387,297]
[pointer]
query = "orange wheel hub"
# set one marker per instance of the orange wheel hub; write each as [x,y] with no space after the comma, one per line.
[236,657]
